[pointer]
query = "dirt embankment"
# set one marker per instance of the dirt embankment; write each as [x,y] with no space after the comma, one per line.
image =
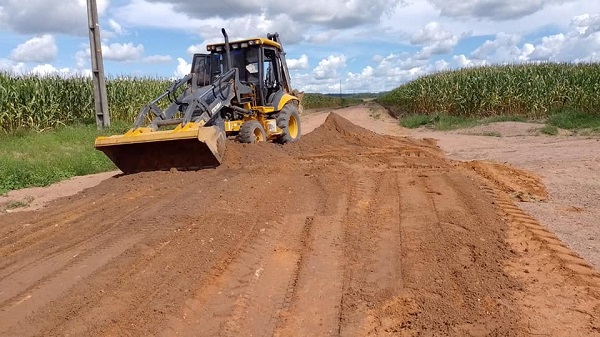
[346,233]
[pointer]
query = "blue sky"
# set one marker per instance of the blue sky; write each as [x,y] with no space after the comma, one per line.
[370,46]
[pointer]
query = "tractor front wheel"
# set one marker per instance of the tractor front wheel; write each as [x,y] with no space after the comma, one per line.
[252,132]
[288,120]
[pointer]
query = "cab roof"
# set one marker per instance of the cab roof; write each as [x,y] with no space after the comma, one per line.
[250,42]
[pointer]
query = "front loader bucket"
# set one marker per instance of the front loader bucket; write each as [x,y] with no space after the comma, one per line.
[187,148]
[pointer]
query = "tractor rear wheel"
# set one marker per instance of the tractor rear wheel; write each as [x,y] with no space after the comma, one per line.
[252,132]
[288,120]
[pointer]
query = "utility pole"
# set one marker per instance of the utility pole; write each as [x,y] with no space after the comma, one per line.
[341,99]
[100,97]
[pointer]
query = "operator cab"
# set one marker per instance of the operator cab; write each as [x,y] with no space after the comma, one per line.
[259,65]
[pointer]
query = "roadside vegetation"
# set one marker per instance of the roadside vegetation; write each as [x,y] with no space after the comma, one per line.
[564,95]
[30,158]
[47,125]
[445,122]
[321,101]
[39,103]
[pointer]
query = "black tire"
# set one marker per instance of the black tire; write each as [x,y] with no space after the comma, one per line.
[252,132]
[288,120]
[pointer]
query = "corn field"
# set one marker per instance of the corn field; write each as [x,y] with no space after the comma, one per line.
[38,103]
[531,90]
[320,101]
[30,102]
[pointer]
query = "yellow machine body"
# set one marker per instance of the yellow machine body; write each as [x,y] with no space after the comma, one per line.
[240,89]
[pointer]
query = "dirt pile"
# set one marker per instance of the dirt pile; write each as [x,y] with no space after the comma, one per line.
[346,232]
[339,132]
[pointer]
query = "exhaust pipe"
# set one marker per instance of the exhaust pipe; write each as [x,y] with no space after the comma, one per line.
[227,50]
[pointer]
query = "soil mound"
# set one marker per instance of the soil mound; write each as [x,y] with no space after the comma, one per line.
[240,155]
[337,130]
[339,139]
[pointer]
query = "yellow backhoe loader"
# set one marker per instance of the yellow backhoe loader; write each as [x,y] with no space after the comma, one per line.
[239,89]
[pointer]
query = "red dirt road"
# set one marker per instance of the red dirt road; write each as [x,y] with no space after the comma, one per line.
[346,233]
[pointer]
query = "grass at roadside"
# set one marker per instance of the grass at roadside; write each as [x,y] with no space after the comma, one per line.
[29,158]
[549,130]
[584,124]
[445,122]
[574,120]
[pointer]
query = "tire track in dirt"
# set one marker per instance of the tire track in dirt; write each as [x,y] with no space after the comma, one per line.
[165,261]
[346,233]
[361,240]
[35,282]
[375,270]
[560,288]
[451,276]
[40,293]
[48,224]
[272,264]
[266,266]
[59,228]
[55,257]
[312,306]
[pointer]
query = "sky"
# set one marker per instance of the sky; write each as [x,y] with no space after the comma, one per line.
[358,45]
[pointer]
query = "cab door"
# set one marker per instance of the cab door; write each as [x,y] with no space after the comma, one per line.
[207,67]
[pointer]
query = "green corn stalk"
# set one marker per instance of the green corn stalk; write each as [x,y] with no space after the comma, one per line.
[530,90]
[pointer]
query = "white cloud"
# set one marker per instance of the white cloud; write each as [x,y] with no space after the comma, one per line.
[142,13]
[580,44]
[327,68]
[300,63]
[113,30]
[332,14]
[391,71]
[373,45]
[50,70]
[116,27]
[462,61]
[82,58]
[20,69]
[183,68]
[12,67]
[323,37]
[504,48]
[586,24]
[37,49]
[119,52]
[430,34]
[492,9]
[197,49]
[436,40]
[155,59]
[256,17]
[122,52]
[44,16]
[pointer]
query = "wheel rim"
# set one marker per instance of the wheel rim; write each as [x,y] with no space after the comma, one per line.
[258,136]
[293,127]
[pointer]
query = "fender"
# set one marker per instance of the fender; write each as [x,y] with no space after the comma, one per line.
[281,99]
